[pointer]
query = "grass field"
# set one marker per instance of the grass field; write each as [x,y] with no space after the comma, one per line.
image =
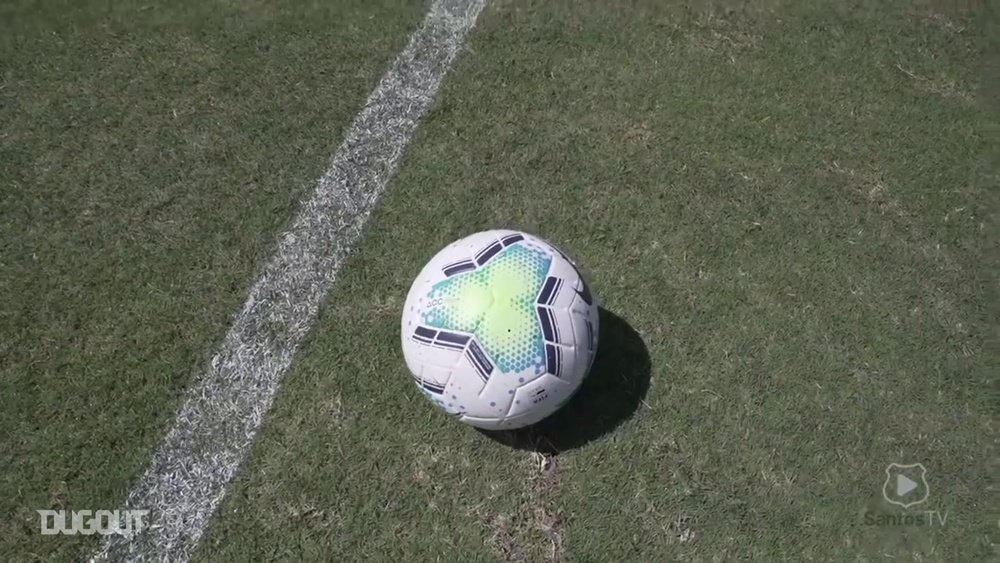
[787,208]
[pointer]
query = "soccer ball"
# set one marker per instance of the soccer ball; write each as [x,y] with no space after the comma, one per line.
[499,329]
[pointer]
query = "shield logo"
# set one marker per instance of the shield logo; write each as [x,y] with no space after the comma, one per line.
[905,485]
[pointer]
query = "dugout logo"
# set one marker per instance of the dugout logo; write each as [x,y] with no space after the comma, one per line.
[89,522]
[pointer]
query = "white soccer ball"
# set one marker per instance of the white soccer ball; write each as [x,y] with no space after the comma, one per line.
[499,329]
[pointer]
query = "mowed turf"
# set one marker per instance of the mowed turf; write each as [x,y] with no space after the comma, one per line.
[788,208]
[149,154]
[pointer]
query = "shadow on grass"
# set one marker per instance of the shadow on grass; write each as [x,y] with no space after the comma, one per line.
[613,390]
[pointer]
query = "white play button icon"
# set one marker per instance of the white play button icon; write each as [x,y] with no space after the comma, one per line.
[904,485]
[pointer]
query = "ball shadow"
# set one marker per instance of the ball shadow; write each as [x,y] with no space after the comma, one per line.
[612,392]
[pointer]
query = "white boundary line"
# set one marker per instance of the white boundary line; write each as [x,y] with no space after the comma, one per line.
[216,425]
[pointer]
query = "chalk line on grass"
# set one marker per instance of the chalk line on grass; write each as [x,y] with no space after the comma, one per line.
[219,418]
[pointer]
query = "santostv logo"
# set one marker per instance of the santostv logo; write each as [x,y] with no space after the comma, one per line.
[905,485]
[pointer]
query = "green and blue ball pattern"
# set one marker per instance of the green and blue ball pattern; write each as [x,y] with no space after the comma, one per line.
[496,303]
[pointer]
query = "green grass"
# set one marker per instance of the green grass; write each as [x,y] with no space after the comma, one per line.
[762,195]
[789,209]
[149,153]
